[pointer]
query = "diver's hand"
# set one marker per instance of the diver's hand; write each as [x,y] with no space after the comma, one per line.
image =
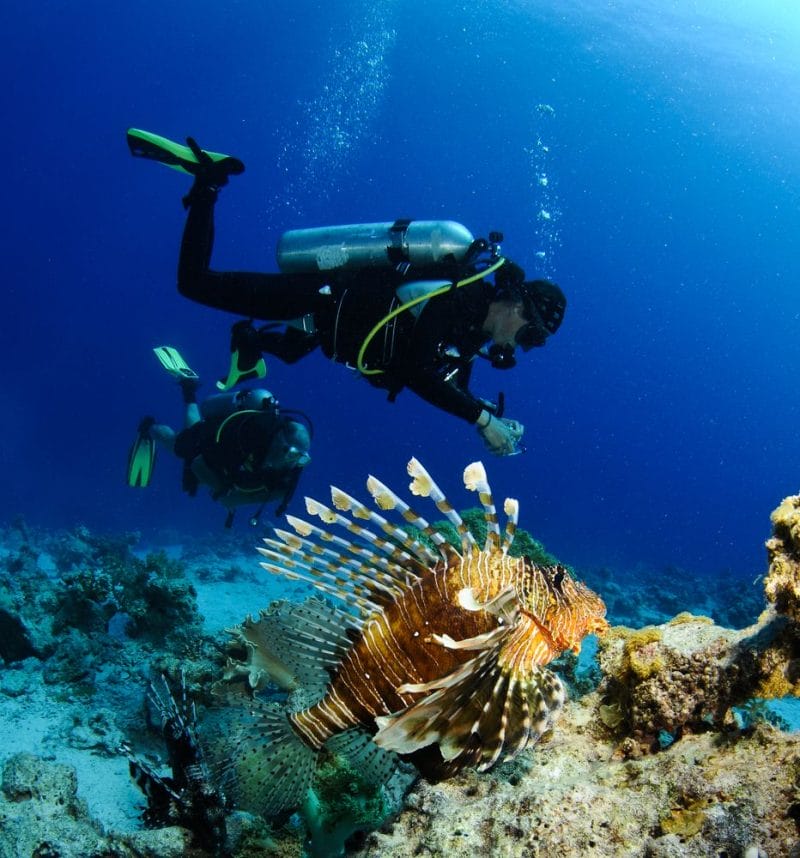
[501,436]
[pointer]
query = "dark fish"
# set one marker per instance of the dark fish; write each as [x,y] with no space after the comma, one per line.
[440,654]
[188,797]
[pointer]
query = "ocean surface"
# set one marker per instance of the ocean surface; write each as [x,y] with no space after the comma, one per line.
[641,154]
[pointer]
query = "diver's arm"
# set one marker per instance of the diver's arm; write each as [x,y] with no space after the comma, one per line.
[424,369]
[445,395]
[288,493]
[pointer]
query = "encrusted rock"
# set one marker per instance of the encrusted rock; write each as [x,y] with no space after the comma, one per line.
[661,681]
[782,584]
[40,812]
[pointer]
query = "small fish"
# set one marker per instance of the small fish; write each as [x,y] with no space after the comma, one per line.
[437,657]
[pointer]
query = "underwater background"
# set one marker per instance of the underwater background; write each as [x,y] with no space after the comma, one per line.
[641,154]
[661,421]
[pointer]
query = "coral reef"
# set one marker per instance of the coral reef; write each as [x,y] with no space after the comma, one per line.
[666,748]
[96,586]
[687,675]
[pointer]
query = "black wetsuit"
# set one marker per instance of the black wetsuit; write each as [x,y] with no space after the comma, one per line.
[235,458]
[430,353]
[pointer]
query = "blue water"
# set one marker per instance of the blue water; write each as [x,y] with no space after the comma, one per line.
[662,420]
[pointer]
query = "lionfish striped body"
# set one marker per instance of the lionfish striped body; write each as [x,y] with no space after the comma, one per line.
[441,658]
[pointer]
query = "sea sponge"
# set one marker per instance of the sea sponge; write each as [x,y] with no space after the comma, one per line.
[641,654]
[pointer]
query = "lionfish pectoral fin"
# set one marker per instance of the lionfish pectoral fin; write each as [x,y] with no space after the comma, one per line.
[417,688]
[265,765]
[502,605]
[374,765]
[479,714]
[479,642]
[446,714]
[521,709]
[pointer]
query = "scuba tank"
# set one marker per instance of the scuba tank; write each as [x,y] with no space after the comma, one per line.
[224,404]
[376,245]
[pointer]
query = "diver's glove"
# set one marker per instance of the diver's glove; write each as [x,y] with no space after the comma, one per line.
[500,435]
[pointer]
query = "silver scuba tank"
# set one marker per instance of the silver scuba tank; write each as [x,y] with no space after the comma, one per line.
[363,245]
[223,404]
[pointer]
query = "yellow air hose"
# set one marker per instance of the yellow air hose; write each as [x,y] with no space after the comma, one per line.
[409,304]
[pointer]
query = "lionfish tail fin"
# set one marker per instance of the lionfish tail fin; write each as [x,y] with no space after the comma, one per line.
[476,481]
[267,768]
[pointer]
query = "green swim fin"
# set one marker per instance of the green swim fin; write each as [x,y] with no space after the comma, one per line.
[142,456]
[188,159]
[238,372]
[173,362]
[246,359]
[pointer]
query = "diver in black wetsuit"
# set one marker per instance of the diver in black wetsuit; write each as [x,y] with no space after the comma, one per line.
[241,445]
[428,348]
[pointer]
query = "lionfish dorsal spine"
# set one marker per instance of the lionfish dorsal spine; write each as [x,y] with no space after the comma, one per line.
[347,503]
[424,485]
[389,549]
[511,509]
[280,560]
[398,572]
[475,480]
[357,591]
[385,498]
[336,565]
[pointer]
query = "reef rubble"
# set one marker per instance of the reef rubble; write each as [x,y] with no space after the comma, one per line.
[580,794]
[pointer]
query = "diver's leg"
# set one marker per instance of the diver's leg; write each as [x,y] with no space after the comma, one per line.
[251,294]
[192,414]
[163,435]
[208,477]
[189,388]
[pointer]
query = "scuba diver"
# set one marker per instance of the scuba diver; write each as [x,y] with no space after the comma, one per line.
[406,304]
[239,444]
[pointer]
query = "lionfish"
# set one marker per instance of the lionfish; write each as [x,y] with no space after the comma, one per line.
[437,657]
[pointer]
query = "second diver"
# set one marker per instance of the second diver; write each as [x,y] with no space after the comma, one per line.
[242,446]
